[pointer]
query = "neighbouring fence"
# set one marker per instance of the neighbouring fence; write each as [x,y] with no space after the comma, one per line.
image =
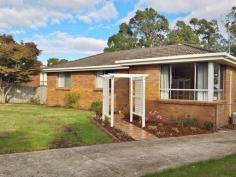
[25,94]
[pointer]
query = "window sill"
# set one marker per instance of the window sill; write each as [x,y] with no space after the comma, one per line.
[62,88]
[190,102]
[98,89]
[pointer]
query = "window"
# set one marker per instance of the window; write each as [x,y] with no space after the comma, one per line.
[189,81]
[99,79]
[64,80]
[218,82]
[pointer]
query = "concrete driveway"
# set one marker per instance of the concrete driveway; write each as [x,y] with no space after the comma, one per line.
[118,159]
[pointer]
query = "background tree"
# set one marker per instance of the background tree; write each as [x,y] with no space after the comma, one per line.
[230,25]
[54,61]
[182,33]
[231,22]
[207,31]
[17,62]
[123,40]
[149,27]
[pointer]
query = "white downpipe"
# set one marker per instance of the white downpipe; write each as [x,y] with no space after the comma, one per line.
[131,99]
[230,93]
[112,101]
[210,81]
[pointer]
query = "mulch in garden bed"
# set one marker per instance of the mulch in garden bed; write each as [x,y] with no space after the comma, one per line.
[170,129]
[230,126]
[119,135]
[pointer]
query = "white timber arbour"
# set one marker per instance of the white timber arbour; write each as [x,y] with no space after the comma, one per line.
[137,85]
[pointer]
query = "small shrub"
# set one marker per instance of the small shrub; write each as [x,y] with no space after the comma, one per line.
[193,129]
[184,122]
[160,134]
[175,130]
[96,106]
[208,125]
[71,99]
[152,127]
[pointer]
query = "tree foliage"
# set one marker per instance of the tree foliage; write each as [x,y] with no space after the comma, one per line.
[207,31]
[231,22]
[150,27]
[54,61]
[183,33]
[17,62]
[123,40]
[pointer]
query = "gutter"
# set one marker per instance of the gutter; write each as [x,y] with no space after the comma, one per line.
[88,68]
[179,57]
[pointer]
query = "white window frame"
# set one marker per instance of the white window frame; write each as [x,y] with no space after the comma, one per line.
[99,79]
[62,80]
[210,90]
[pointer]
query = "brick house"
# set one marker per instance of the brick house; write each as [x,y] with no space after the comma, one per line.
[183,81]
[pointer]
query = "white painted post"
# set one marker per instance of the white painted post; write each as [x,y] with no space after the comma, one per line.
[112,101]
[103,100]
[131,98]
[143,102]
[210,81]
[230,93]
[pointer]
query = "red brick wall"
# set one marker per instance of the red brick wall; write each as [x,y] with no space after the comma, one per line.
[152,83]
[84,84]
[175,109]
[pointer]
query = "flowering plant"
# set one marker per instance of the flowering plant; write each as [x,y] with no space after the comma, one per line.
[154,116]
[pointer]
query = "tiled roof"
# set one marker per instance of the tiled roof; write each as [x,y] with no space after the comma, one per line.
[109,58]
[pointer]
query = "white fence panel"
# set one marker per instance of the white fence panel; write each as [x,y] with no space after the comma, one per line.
[138,102]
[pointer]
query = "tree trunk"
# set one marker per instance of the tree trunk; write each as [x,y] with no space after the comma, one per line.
[3,98]
[4,93]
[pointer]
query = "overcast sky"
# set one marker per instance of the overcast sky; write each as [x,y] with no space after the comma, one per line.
[73,29]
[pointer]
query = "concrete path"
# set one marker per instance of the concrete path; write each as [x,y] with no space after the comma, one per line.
[135,132]
[118,159]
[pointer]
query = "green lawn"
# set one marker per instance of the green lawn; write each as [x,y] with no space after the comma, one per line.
[26,127]
[225,167]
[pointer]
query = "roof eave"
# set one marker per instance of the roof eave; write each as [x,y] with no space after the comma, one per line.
[89,68]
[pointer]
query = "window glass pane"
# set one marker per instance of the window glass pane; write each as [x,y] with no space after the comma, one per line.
[218,81]
[67,80]
[165,81]
[64,80]
[61,80]
[202,81]
[222,69]
[99,79]
[182,79]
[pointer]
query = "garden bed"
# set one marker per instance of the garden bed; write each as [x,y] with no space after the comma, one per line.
[163,127]
[117,134]
[230,126]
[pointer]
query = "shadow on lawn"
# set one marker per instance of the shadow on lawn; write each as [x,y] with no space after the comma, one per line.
[15,141]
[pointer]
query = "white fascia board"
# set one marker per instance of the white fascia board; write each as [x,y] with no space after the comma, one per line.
[175,61]
[177,58]
[89,68]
